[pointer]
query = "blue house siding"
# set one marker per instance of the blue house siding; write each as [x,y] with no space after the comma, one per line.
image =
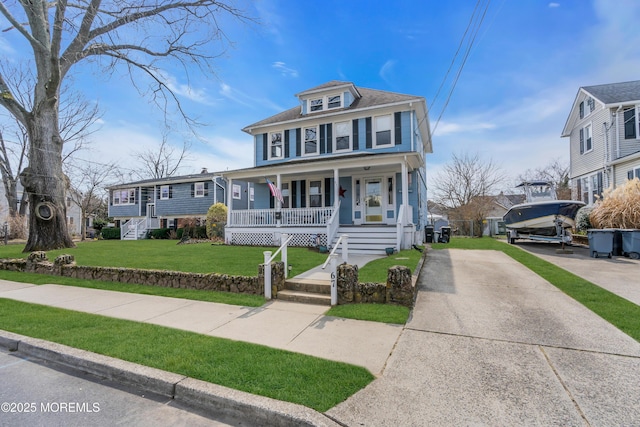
[361,135]
[182,200]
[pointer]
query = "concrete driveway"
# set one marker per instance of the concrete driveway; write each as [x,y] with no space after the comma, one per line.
[491,343]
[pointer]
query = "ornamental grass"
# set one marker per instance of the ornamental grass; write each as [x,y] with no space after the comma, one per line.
[618,208]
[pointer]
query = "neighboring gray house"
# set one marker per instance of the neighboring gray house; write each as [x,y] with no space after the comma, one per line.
[603,128]
[346,160]
[137,207]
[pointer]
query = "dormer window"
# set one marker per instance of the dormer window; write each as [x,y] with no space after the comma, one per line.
[586,107]
[325,103]
[316,104]
[334,101]
[275,145]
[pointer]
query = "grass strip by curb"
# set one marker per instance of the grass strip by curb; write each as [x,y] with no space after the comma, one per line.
[618,311]
[292,377]
[384,313]
[245,300]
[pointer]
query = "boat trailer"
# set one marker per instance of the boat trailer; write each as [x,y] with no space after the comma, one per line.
[563,236]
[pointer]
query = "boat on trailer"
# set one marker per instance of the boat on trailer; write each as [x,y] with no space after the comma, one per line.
[542,216]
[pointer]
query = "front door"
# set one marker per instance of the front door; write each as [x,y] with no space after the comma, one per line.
[373,200]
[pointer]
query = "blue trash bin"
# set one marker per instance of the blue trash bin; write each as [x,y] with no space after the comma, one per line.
[601,242]
[631,243]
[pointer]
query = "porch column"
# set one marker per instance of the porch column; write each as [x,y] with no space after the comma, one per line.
[336,187]
[405,186]
[276,202]
[230,206]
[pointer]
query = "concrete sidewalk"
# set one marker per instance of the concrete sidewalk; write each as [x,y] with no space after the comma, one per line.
[491,343]
[289,326]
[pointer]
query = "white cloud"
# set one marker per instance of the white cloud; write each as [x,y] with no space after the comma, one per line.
[554,5]
[284,70]
[185,90]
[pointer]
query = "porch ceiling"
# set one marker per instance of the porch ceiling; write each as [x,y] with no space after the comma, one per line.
[313,166]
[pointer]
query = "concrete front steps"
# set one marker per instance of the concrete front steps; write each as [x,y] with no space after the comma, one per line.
[369,239]
[306,291]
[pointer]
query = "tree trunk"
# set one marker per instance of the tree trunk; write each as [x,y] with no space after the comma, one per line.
[45,182]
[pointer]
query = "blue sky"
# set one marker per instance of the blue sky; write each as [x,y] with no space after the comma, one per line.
[510,103]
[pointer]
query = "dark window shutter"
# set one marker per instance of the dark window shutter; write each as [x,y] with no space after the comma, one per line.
[298,142]
[206,189]
[355,135]
[265,146]
[581,141]
[110,198]
[303,193]
[327,191]
[329,138]
[171,191]
[630,174]
[272,201]
[630,124]
[369,139]
[287,153]
[294,194]
[158,193]
[193,189]
[397,119]
[600,183]
[323,143]
[582,110]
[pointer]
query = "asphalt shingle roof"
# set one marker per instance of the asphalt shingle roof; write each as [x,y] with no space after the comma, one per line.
[369,98]
[614,93]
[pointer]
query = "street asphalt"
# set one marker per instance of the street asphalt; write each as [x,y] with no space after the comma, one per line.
[488,343]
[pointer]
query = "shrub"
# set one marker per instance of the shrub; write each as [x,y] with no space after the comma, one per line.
[159,233]
[216,215]
[199,232]
[18,227]
[582,218]
[110,233]
[618,208]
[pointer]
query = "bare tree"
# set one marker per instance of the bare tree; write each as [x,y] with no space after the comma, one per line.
[88,181]
[76,119]
[162,161]
[556,172]
[465,185]
[60,35]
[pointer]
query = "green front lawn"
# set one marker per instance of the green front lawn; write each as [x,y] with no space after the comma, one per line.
[317,383]
[618,311]
[168,255]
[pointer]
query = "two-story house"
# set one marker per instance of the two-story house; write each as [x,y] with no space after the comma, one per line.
[603,128]
[346,160]
[137,207]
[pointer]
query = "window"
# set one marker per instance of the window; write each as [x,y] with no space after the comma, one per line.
[236,191]
[343,136]
[630,124]
[285,194]
[164,192]
[275,150]
[310,141]
[591,187]
[633,173]
[124,197]
[316,104]
[252,196]
[586,143]
[199,189]
[334,101]
[383,130]
[587,107]
[315,194]
[390,191]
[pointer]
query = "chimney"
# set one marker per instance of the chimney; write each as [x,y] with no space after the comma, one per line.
[204,170]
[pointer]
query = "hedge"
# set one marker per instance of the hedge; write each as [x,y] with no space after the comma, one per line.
[111,233]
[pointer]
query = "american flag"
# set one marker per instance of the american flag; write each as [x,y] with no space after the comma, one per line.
[275,191]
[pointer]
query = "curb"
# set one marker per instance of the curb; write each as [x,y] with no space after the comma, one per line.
[211,398]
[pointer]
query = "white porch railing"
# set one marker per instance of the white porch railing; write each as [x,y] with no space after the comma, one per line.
[333,224]
[133,226]
[152,223]
[298,217]
[268,258]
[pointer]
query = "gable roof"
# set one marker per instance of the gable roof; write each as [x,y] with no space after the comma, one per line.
[615,93]
[609,95]
[368,98]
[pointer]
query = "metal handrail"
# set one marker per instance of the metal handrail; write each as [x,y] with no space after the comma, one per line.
[278,251]
[333,251]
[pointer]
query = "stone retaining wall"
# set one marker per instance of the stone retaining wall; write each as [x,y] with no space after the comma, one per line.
[64,265]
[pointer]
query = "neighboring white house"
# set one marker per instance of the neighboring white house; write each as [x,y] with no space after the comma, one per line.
[603,128]
[345,160]
[73,211]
